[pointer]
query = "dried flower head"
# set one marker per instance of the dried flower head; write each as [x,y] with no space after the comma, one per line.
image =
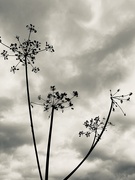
[94,126]
[57,100]
[26,50]
[116,99]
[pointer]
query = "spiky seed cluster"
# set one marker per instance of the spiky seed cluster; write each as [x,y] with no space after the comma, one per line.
[57,100]
[116,99]
[93,125]
[31,28]
[25,51]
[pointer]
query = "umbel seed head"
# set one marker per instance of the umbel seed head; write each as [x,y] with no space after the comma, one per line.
[26,51]
[57,100]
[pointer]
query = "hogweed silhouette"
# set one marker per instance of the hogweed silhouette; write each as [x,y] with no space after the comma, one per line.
[25,53]
[98,126]
[55,101]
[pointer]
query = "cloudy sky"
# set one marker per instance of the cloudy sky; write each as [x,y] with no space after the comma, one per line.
[94,44]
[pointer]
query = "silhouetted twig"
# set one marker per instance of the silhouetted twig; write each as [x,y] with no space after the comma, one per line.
[54,101]
[95,124]
[25,53]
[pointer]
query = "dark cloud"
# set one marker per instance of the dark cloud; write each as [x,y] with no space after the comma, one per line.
[6,104]
[17,14]
[97,68]
[13,136]
[124,168]
[121,41]
[110,169]
[101,151]
[102,67]
[123,124]
[99,174]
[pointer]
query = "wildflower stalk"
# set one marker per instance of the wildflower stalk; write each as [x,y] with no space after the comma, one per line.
[49,145]
[31,120]
[96,125]
[25,52]
[93,144]
[55,101]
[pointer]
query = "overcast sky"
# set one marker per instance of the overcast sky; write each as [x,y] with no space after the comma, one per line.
[94,44]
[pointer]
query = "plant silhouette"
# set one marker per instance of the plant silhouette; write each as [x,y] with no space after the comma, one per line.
[25,53]
[54,101]
[98,127]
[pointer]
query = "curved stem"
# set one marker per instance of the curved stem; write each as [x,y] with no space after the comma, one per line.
[49,145]
[94,139]
[93,144]
[31,121]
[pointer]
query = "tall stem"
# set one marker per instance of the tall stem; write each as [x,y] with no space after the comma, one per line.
[31,121]
[93,145]
[49,145]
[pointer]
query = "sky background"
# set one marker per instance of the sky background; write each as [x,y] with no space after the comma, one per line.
[94,44]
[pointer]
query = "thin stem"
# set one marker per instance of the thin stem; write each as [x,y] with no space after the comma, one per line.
[116,97]
[116,104]
[29,62]
[31,121]
[94,138]
[93,144]
[49,145]
[5,45]
[37,104]
[29,35]
[17,64]
[41,50]
[11,55]
[20,45]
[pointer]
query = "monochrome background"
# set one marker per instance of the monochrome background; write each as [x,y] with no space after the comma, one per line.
[94,44]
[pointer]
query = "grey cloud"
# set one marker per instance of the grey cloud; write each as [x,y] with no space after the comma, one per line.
[122,40]
[14,135]
[28,172]
[97,68]
[100,151]
[6,104]
[100,174]
[96,76]
[100,171]
[93,76]
[107,170]
[124,168]
[123,124]
[112,165]
[94,66]
[70,17]
[15,13]
[81,12]
[73,31]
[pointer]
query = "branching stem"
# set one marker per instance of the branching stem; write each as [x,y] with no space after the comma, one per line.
[93,144]
[49,145]
[31,121]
